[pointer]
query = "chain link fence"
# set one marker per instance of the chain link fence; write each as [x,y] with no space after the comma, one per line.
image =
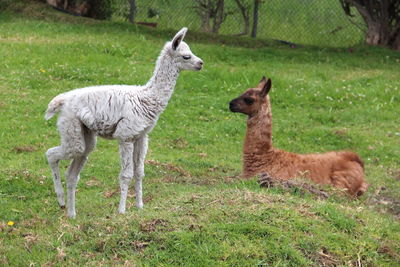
[309,22]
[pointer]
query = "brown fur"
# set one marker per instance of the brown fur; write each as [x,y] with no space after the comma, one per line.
[342,169]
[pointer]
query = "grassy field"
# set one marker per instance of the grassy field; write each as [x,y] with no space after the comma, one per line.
[198,212]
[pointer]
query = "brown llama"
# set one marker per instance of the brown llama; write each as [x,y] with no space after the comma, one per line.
[341,169]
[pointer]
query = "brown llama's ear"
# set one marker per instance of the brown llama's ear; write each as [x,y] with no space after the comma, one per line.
[262,82]
[266,88]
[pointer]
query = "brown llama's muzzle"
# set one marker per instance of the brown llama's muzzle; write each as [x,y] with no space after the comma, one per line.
[233,106]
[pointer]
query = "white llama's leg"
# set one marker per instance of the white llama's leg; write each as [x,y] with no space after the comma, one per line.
[77,165]
[72,174]
[72,181]
[139,155]
[72,147]
[126,154]
[54,155]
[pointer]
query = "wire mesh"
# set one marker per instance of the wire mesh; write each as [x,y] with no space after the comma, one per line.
[310,22]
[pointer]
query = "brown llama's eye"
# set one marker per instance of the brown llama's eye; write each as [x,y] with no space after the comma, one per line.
[249,101]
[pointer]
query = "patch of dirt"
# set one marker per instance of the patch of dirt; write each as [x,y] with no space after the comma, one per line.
[385,249]
[4,260]
[30,240]
[3,226]
[175,174]
[148,198]
[188,180]
[341,132]
[322,257]
[169,179]
[325,258]
[195,227]
[93,182]
[231,179]
[266,181]
[305,210]
[395,174]
[61,254]
[361,261]
[382,200]
[179,143]
[169,167]
[257,198]
[131,194]
[110,193]
[153,225]
[100,246]
[22,149]
[140,245]
[34,222]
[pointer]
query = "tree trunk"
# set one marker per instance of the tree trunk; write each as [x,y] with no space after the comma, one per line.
[380,33]
[255,18]
[246,25]
[219,16]
[212,14]
[396,40]
[132,11]
[373,35]
[205,23]
[204,10]
[244,10]
[382,18]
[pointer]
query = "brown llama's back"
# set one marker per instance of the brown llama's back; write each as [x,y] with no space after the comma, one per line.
[341,169]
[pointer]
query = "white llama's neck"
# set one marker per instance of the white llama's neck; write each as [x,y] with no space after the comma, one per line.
[161,85]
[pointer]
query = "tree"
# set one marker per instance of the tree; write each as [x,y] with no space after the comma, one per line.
[211,11]
[257,4]
[382,18]
[244,8]
[100,9]
[132,11]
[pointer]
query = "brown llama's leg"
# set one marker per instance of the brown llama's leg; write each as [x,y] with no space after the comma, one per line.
[363,188]
[350,176]
[265,180]
[339,180]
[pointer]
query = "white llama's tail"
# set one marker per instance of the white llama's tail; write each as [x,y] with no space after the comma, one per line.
[54,106]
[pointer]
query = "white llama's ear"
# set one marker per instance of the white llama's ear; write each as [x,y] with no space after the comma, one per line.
[266,87]
[178,38]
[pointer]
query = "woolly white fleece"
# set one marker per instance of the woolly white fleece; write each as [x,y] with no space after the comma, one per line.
[123,112]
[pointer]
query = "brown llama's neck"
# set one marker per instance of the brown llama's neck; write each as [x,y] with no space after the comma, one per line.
[258,138]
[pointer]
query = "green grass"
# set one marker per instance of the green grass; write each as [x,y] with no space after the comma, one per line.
[197,210]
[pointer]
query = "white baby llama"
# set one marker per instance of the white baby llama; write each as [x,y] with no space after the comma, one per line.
[123,112]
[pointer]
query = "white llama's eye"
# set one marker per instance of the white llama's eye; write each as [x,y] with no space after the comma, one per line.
[186,57]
